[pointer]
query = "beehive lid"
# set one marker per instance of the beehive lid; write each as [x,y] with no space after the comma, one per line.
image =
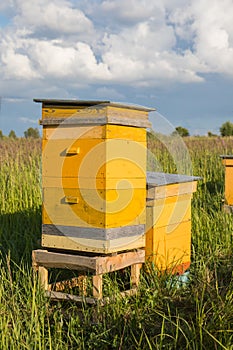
[93,112]
[91,103]
[229,156]
[162,179]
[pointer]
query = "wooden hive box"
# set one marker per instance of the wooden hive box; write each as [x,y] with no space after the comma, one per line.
[93,175]
[168,231]
[227,161]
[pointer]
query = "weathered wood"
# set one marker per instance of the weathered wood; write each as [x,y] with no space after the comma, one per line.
[100,120]
[70,297]
[94,233]
[159,192]
[80,282]
[228,208]
[43,277]
[97,286]
[83,299]
[119,261]
[135,274]
[105,132]
[97,264]
[93,245]
[96,159]
[59,260]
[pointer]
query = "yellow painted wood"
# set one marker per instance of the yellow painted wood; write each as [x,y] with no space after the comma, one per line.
[92,183]
[96,158]
[79,111]
[169,211]
[229,181]
[97,246]
[169,246]
[109,131]
[95,208]
[169,190]
[227,161]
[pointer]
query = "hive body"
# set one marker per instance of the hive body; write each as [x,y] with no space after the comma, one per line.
[227,161]
[93,175]
[168,231]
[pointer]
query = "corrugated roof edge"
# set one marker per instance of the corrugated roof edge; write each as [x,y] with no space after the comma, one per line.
[92,103]
[161,179]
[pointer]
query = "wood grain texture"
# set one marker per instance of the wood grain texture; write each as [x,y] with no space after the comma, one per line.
[93,245]
[157,192]
[94,233]
[169,211]
[169,246]
[100,120]
[105,132]
[96,158]
[96,264]
[103,208]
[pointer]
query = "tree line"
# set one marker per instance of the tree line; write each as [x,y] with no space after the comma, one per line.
[29,133]
[225,130]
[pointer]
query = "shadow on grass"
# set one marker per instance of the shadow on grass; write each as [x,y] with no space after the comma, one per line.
[20,232]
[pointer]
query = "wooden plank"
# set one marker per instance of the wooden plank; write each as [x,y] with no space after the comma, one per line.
[80,282]
[169,211]
[94,112]
[228,208]
[96,159]
[119,261]
[229,185]
[109,131]
[100,120]
[91,245]
[94,233]
[70,297]
[43,277]
[169,246]
[83,299]
[97,286]
[93,183]
[98,209]
[157,192]
[47,259]
[135,274]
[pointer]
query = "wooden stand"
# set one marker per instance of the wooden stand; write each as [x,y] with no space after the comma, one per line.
[42,260]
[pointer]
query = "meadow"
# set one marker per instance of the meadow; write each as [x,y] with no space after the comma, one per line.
[165,314]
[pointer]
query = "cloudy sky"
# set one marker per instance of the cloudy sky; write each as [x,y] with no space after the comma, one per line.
[176,56]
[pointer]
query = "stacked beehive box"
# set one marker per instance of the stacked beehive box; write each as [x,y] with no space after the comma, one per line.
[227,161]
[93,175]
[168,237]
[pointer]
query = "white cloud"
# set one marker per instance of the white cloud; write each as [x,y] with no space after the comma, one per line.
[28,120]
[145,42]
[57,16]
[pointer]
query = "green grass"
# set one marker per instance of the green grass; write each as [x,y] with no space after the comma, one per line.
[198,315]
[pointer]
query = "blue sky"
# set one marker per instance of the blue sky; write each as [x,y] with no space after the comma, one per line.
[176,56]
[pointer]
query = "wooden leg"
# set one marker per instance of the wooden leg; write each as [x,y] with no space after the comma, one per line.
[97,286]
[135,274]
[82,285]
[43,276]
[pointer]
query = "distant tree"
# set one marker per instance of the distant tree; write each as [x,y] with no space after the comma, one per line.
[1,135]
[183,132]
[12,134]
[210,134]
[32,132]
[226,129]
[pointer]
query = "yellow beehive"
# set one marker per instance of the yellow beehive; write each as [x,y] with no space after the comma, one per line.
[93,175]
[227,161]
[168,227]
